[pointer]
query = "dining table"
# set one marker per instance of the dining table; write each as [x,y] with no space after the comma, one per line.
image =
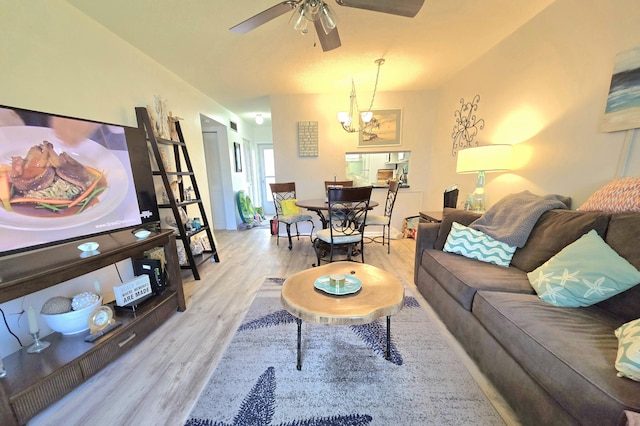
[321,205]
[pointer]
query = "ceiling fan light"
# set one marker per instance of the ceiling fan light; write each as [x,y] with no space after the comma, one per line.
[366,116]
[327,18]
[313,9]
[300,23]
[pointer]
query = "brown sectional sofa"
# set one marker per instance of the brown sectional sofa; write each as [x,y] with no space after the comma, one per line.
[553,365]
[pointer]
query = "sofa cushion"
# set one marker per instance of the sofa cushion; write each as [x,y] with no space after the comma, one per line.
[462,277]
[619,195]
[622,236]
[478,245]
[570,352]
[555,230]
[623,233]
[463,217]
[628,358]
[585,272]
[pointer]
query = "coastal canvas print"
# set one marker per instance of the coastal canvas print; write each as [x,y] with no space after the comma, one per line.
[382,130]
[623,102]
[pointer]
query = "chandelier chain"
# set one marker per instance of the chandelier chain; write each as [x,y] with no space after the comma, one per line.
[375,87]
[348,119]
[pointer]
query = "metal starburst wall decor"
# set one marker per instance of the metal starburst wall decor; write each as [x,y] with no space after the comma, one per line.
[467,125]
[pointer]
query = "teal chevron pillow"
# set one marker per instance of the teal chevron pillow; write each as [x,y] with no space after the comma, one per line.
[477,245]
[628,358]
[585,272]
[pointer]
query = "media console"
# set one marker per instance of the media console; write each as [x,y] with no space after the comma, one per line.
[35,381]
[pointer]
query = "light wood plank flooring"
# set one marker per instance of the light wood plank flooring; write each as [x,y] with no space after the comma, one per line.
[158,381]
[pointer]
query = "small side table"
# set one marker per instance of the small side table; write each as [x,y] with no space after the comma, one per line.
[435,217]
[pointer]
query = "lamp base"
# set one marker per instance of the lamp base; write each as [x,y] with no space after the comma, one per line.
[478,198]
[478,202]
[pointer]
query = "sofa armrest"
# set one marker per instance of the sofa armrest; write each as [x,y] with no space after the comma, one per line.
[425,239]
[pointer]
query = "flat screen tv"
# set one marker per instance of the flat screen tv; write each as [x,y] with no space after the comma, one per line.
[63,179]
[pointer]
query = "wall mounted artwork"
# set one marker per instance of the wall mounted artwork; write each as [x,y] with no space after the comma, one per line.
[622,111]
[237,156]
[383,129]
[308,138]
[467,125]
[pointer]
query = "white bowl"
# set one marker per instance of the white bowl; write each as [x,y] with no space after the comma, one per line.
[143,233]
[90,246]
[72,322]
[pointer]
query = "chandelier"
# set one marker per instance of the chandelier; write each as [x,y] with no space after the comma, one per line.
[347,118]
[313,10]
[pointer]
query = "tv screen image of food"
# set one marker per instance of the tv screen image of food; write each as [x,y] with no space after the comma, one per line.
[62,179]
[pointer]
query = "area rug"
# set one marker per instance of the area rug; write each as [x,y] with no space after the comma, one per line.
[345,378]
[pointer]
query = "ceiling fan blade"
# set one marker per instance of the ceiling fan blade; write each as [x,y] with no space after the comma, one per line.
[408,8]
[264,17]
[327,41]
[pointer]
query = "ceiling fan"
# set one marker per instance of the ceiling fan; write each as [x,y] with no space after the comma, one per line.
[322,17]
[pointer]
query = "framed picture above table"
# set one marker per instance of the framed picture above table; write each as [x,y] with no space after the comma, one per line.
[383,129]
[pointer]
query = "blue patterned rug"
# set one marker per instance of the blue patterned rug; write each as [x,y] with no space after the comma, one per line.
[345,379]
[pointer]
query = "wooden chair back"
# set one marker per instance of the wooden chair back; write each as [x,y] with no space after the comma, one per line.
[342,183]
[281,192]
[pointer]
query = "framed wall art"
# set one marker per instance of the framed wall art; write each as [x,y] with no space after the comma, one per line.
[238,156]
[622,111]
[383,129]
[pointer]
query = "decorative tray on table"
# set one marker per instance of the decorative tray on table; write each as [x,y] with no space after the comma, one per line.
[351,285]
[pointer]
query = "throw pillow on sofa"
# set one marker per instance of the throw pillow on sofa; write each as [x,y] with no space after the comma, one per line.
[585,272]
[628,357]
[477,245]
[619,195]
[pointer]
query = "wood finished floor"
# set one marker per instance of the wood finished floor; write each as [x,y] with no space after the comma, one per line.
[158,381]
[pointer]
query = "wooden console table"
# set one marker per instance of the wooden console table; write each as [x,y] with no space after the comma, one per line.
[35,381]
[431,216]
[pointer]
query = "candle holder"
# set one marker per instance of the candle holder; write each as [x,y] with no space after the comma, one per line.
[38,345]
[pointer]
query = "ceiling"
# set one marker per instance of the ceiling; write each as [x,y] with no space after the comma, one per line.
[241,71]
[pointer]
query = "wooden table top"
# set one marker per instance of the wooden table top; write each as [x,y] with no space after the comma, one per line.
[322,204]
[382,294]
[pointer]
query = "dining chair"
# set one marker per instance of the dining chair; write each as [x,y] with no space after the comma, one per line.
[341,183]
[284,200]
[385,220]
[336,184]
[348,209]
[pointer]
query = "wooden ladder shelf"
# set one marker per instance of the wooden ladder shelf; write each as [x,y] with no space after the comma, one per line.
[180,155]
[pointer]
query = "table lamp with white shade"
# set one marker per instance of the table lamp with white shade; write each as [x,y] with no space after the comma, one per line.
[481,160]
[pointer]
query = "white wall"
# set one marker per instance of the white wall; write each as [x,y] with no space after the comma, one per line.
[544,89]
[55,59]
[48,66]
[309,173]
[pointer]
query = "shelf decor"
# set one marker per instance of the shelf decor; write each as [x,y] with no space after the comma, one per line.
[383,129]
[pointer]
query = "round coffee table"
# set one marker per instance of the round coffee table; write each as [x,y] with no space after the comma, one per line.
[381,294]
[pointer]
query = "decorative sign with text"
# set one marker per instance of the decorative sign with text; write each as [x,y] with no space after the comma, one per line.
[128,293]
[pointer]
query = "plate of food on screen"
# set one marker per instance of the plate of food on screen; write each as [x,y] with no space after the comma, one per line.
[47,185]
